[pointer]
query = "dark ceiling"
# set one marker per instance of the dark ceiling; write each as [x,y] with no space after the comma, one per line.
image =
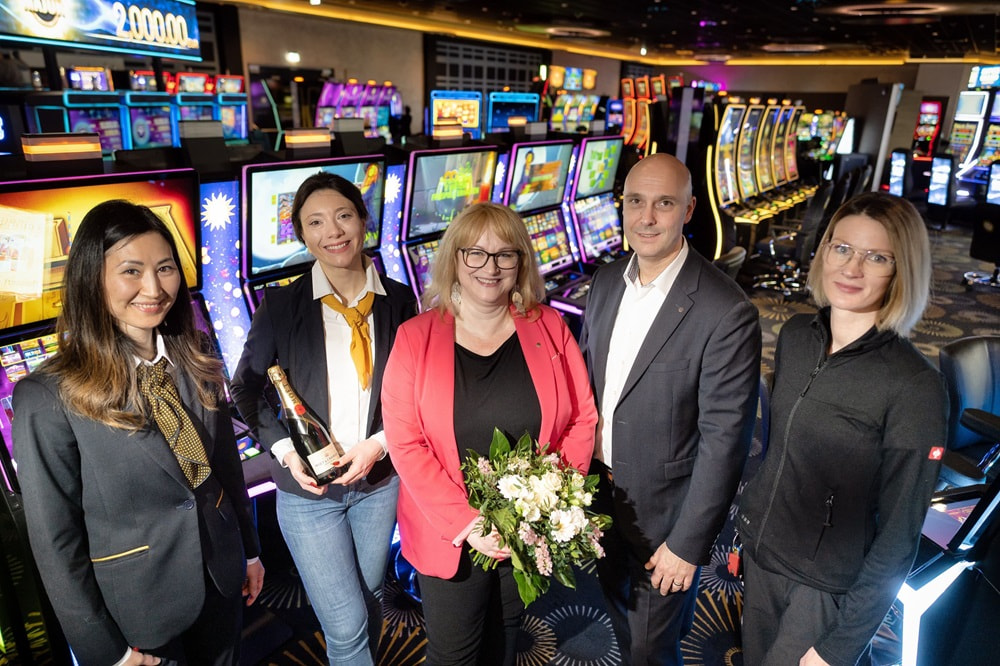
[727,29]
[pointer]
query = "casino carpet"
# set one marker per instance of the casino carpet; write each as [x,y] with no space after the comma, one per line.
[571,627]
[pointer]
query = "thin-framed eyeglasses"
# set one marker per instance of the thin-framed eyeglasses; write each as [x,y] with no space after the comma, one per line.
[505,260]
[873,262]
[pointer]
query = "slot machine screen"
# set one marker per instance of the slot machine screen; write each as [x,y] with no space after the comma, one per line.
[466,109]
[502,106]
[938,191]
[538,179]
[144,81]
[745,161]
[200,112]
[549,240]
[228,84]
[151,127]
[993,185]
[422,261]
[190,82]
[325,116]
[443,184]
[269,242]
[600,225]
[765,160]
[792,147]
[19,356]
[897,172]
[105,120]
[234,121]
[598,166]
[89,78]
[725,157]
[574,78]
[39,218]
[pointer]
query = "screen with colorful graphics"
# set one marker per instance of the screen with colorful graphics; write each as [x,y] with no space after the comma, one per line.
[39,218]
[598,166]
[268,240]
[150,127]
[599,223]
[105,120]
[443,183]
[538,179]
[549,240]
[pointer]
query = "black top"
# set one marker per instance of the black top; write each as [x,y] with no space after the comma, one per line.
[494,391]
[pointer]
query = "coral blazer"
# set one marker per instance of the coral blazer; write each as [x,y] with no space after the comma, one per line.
[419,416]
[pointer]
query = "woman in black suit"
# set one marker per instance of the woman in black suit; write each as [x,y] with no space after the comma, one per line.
[331,331]
[137,512]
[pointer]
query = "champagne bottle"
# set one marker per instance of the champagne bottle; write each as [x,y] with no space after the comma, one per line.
[312,442]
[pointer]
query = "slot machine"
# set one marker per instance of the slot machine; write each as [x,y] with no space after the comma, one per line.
[328,102]
[750,213]
[440,184]
[231,102]
[712,227]
[536,190]
[150,120]
[501,106]
[628,110]
[929,121]
[463,106]
[194,97]
[350,99]
[974,176]
[596,221]
[640,139]
[368,110]
[767,176]
[967,127]
[271,253]
[79,111]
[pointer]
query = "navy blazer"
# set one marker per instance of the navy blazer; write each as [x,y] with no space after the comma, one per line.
[684,422]
[287,329]
[121,540]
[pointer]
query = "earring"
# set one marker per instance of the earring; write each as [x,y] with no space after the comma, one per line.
[456,295]
[518,301]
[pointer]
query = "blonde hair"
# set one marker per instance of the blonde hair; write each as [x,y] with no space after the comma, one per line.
[464,231]
[909,290]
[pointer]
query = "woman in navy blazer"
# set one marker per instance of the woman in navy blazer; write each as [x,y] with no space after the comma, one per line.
[338,534]
[139,565]
[485,355]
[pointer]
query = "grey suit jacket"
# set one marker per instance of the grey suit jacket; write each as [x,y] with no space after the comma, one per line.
[684,422]
[121,540]
[288,329]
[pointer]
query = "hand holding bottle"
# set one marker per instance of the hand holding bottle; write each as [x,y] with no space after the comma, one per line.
[361,458]
[301,475]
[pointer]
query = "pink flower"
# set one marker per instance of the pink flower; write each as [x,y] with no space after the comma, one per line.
[543,559]
[484,467]
[528,535]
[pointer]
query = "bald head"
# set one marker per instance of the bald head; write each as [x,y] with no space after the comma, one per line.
[666,167]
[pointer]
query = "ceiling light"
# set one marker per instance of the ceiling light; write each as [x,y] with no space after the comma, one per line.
[642,50]
[314,3]
[293,57]
[793,48]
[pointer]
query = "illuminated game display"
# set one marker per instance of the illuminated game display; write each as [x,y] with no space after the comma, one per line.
[928,127]
[745,160]
[725,155]
[39,218]
[898,164]
[89,78]
[538,179]
[442,183]
[270,246]
[938,194]
[598,165]
[599,224]
[465,107]
[779,143]
[150,127]
[764,150]
[421,261]
[504,105]
[549,240]
[791,145]
[968,125]
[105,120]
[993,185]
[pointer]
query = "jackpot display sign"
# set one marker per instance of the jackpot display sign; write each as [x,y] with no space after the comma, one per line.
[167,28]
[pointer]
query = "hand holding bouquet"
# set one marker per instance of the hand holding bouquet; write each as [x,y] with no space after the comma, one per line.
[538,505]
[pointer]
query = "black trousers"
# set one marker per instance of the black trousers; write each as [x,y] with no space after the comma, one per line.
[472,618]
[214,637]
[783,618]
[648,626]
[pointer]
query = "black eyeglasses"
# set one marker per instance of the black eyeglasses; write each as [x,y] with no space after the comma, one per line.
[504,259]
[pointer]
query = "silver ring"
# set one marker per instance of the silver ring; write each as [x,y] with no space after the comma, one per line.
[676,584]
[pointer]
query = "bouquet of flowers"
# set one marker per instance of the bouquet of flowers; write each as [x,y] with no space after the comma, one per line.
[538,505]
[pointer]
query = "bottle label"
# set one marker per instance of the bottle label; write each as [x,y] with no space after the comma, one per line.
[322,461]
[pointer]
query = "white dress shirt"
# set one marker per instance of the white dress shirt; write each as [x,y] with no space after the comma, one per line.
[638,308]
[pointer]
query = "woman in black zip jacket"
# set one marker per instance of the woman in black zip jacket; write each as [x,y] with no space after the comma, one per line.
[831,521]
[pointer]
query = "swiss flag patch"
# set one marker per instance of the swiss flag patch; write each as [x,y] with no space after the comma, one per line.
[937,452]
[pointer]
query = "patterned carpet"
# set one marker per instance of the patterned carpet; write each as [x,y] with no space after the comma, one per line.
[571,628]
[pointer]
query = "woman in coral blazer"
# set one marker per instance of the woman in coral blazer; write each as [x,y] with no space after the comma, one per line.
[485,355]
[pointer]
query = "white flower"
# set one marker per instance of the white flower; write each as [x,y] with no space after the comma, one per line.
[567,524]
[512,486]
[552,481]
[528,509]
[541,495]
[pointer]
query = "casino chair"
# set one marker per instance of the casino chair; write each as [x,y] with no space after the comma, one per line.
[731,262]
[788,250]
[971,368]
[985,246]
[862,181]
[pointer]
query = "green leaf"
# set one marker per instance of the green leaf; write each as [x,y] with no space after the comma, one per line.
[500,447]
[525,587]
[565,576]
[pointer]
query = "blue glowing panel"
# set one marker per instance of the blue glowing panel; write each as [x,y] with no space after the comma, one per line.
[392,217]
[220,253]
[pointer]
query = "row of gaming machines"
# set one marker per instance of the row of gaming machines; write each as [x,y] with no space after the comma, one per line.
[375,103]
[133,119]
[236,237]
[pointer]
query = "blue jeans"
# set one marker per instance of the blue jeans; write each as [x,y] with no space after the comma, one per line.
[340,544]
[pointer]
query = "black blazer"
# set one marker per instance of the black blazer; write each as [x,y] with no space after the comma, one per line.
[683,424]
[121,540]
[287,328]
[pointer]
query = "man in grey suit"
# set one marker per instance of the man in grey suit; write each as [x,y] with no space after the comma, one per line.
[673,349]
